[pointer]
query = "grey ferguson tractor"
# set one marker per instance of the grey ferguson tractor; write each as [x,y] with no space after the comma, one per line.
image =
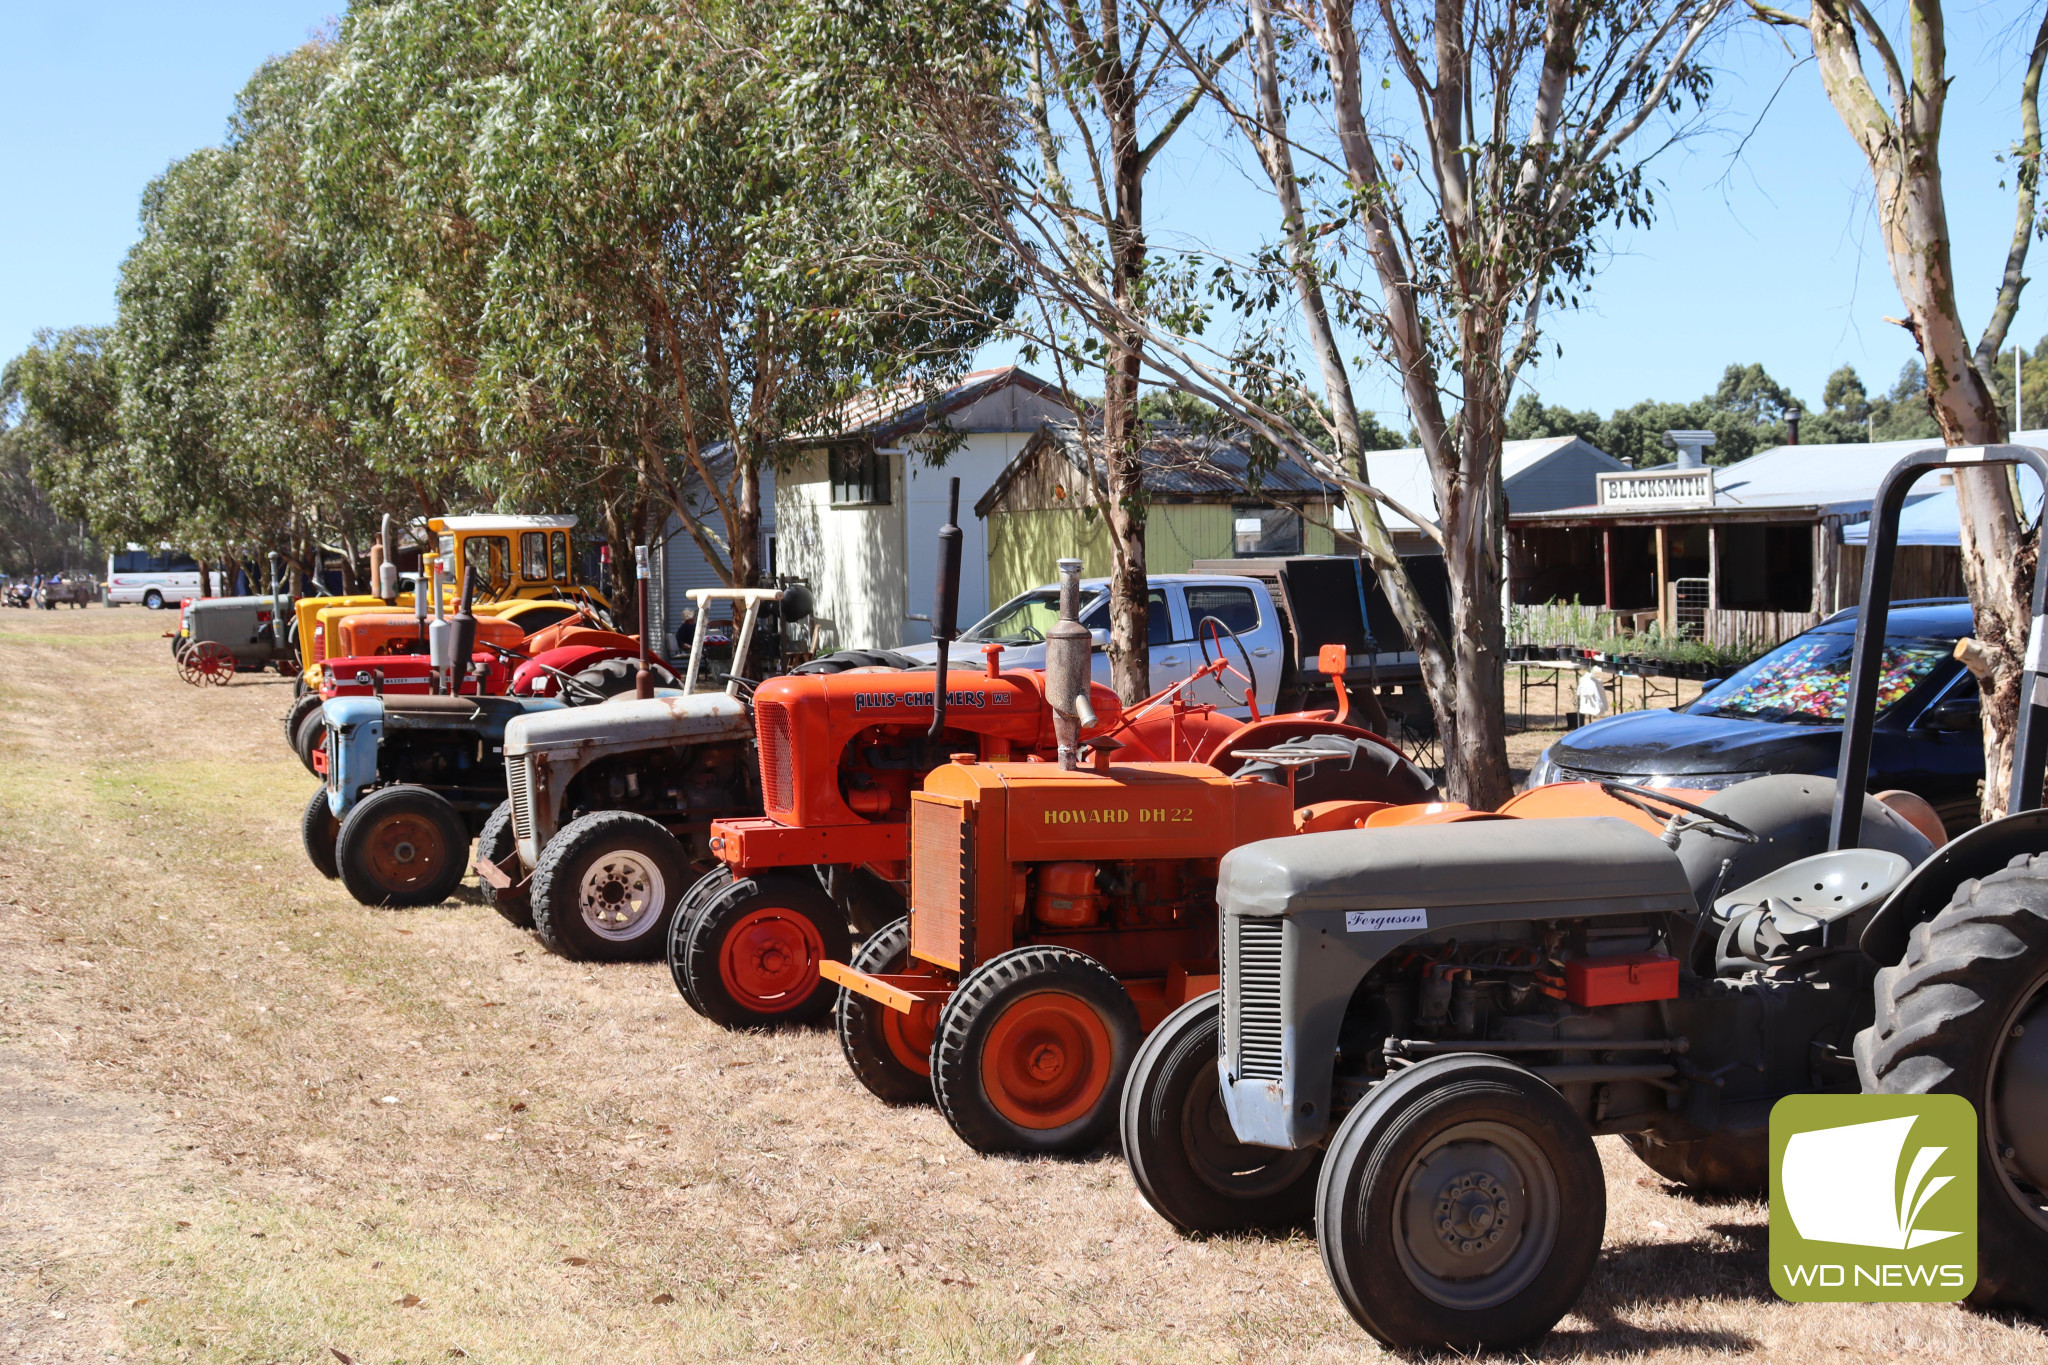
[1421,1028]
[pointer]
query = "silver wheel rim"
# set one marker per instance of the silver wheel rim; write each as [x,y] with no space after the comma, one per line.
[621,893]
[1476,1215]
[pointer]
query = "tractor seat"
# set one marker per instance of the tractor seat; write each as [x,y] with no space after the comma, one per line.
[1817,902]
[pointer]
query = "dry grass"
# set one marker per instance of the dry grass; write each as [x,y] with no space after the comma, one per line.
[243,1119]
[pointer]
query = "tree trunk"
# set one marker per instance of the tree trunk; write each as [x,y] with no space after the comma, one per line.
[743,537]
[1130,650]
[1903,149]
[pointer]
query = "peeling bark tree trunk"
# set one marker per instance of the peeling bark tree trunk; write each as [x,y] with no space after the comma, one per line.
[1902,145]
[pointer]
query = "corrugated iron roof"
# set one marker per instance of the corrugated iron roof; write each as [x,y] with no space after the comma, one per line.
[881,414]
[1183,463]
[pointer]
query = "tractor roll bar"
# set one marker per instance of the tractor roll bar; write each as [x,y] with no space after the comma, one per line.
[2030,744]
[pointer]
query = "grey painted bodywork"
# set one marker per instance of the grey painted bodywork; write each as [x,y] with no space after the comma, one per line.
[547,751]
[1454,875]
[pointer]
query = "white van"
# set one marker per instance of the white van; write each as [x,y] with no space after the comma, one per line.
[156,578]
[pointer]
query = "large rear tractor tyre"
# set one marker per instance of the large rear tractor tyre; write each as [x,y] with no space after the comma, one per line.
[605,887]
[320,830]
[306,703]
[705,889]
[1032,1050]
[1726,1163]
[310,735]
[1966,1013]
[402,846]
[1189,1167]
[888,1051]
[751,955]
[1356,770]
[1461,1207]
[847,659]
[499,842]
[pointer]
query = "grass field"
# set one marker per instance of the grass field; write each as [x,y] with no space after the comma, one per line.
[243,1119]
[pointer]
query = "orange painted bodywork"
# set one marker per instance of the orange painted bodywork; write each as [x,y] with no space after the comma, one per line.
[365,634]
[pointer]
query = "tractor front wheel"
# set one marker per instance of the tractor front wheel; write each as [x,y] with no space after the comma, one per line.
[310,735]
[888,1050]
[319,829]
[1186,1160]
[1461,1207]
[751,955]
[705,889]
[499,842]
[1966,1013]
[1032,1050]
[605,886]
[302,705]
[402,846]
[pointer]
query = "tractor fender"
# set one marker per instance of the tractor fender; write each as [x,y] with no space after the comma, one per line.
[1932,883]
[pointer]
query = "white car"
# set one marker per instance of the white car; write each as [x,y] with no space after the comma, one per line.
[1179,605]
[155,578]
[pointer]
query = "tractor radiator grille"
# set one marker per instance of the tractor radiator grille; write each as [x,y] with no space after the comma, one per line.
[771,732]
[1251,999]
[519,786]
[941,880]
[330,740]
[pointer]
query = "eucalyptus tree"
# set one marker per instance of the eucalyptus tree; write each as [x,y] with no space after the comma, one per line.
[64,395]
[1899,133]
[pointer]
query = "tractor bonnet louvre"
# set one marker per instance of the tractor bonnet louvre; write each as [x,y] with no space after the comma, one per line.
[519,786]
[941,927]
[1251,995]
[771,730]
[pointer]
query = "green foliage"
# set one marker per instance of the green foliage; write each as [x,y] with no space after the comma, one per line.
[33,535]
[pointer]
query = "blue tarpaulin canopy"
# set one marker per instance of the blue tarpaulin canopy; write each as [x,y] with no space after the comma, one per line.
[1933,520]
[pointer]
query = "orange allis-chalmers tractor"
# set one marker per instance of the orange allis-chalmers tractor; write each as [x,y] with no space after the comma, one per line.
[841,758]
[1058,911]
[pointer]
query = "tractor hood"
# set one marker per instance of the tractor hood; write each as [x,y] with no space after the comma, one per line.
[488,715]
[630,723]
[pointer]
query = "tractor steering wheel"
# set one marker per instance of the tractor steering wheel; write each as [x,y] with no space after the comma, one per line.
[1216,629]
[1676,823]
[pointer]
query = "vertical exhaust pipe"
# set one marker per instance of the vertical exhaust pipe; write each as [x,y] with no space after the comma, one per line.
[643,681]
[946,607]
[384,565]
[1067,672]
[462,634]
[437,633]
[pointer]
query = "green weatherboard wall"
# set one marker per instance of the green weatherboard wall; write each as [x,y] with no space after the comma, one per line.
[1024,547]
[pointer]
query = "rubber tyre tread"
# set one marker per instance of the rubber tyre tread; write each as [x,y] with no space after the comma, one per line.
[301,705]
[971,1011]
[1724,1163]
[1150,1118]
[312,729]
[319,831]
[700,892]
[355,827]
[858,658]
[499,842]
[1358,769]
[1940,1010]
[1367,1152]
[857,1017]
[791,890]
[553,889]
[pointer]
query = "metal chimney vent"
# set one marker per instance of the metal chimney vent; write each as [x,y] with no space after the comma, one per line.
[1689,445]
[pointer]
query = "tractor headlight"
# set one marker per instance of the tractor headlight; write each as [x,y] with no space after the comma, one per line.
[1544,772]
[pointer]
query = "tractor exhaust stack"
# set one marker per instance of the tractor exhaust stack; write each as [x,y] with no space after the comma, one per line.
[384,565]
[946,608]
[1067,672]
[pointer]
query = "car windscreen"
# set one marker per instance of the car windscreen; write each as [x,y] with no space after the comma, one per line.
[1806,680]
[1021,620]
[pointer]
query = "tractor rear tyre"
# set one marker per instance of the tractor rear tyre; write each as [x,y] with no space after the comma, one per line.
[310,735]
[857,658]
[1461,1207]
[1356,770]
[750,955]
[1032,1050]
[1966,1013]
[886,1048]
[319,829]
[1188,1165]
[402,846]
[616,678]
[605,886]
[499,842]
[702,891]
[1726,1163]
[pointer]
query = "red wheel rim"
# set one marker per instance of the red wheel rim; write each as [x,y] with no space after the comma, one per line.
[769,959]
[406,851]
[909,1036]
[1047,1060]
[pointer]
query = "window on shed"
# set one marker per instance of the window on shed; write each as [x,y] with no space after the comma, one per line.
[1263,531]
[860,475]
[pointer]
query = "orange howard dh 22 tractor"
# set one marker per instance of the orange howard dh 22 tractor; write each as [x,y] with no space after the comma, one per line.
[1057,913]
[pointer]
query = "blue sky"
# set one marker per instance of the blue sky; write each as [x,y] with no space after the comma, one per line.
[1770,257]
